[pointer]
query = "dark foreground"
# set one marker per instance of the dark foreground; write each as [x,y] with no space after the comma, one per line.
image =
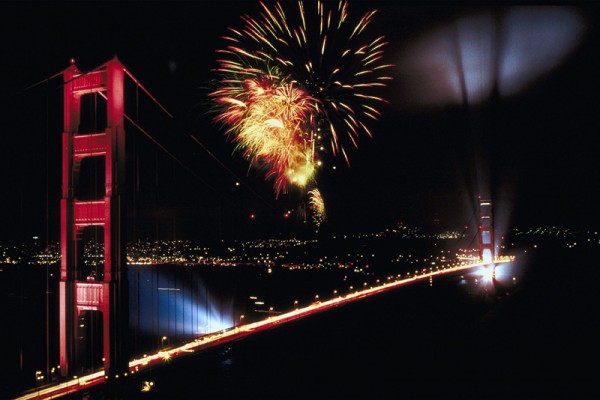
[446,341]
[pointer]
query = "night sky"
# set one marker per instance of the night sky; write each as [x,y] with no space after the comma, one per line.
[495,101]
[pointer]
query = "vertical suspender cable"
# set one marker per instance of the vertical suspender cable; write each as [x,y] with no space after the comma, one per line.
[47,243]
[135,210]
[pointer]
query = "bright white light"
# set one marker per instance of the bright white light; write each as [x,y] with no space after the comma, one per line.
[464,60]
[487,273]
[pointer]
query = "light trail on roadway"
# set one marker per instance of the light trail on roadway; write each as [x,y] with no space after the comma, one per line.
[147,362]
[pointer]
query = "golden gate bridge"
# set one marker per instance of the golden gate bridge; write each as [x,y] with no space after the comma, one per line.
[105,292]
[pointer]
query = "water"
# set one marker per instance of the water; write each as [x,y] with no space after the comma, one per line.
[447,340]
[443,341]
[169,304]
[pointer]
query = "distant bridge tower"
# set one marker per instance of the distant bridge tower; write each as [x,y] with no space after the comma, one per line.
[99,299]
[486,232]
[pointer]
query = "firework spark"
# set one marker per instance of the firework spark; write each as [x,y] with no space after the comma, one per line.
[294,86]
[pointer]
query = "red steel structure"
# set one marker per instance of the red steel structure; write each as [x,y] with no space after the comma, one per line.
[486,232]
[105,294]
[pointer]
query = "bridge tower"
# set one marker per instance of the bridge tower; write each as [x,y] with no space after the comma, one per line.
[486,232]
[102,295]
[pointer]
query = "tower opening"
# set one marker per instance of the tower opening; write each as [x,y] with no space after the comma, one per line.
[89,342]
[90,179]
[93,113]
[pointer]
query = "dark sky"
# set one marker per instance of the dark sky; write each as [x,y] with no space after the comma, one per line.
[499,101]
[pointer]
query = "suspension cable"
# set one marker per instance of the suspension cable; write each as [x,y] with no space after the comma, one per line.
[137,82]
[149,136]
[474,237]
[170,115]
[195,139]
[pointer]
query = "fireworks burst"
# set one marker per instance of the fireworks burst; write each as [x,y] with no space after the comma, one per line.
[317,206]
[273,124]
[295,86]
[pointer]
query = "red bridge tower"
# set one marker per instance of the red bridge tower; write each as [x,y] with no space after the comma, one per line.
[486,232]
[103,296]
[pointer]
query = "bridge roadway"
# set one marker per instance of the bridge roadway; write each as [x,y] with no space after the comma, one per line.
[146,362]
